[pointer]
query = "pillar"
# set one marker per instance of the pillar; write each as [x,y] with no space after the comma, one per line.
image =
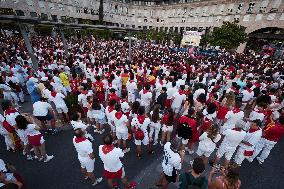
[241,47]
[28,44]
[63,41]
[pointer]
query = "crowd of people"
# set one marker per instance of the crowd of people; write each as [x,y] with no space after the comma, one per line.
[230,105]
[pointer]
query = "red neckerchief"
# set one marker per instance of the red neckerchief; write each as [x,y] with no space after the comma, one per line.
[131,81]
[122,100]
[253,130]
[161,81]
[110,109]
[260,111]
[53,93]
[249,90]
[141,118]
[107,148]
[181,92]
[110,84]
[145,91]
[236,110]
[118,115]
[257,85]
[84,92]
[10,111]
[237,129]
[40,69]
[81,139]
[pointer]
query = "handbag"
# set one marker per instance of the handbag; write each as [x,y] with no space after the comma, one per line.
[139,134]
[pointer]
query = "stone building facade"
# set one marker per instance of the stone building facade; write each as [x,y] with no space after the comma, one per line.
[184,15]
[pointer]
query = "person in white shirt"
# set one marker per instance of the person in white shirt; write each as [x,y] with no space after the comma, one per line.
[171,90]
[82,99]
[25,122]
[171,164]
[155,125]
[232,138]
[131,87]
[109,111]
[121,123]
[77,123]
[233,117]
[139,126]
[86,156]
[146,98]
[250,140]
[247,94]
[113,167]
[207,143]
[43,111]
[178,99]
[61,107]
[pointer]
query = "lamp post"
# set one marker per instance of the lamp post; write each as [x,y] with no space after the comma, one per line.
[129,46]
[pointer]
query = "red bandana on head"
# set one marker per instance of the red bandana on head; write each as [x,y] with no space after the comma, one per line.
[141,119]
[118,115]
[249,90]
[107,148]
[81,139]
[84,92]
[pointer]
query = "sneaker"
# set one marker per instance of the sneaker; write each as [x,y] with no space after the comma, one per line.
[132,185]
[48,158]
[126,150]
[155,143]
[29,157]
[250,159]
[161,143]
[86,178]
[96,131]
[102,131]
[54,131]
[115,142]
[259,160]
[24,153]
[98,180]
[40,159]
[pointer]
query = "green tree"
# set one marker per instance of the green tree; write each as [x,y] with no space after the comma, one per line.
[230,35]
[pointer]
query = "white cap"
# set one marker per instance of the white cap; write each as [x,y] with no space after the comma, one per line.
[44,79]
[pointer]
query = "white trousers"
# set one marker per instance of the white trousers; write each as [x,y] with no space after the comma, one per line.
[154,128]
[265,146]
[240,156]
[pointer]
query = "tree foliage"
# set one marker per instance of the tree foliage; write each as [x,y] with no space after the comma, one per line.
[159,36]
[230,35]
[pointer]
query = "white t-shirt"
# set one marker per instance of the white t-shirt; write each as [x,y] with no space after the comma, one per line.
[120,123]
[247,96]
[252,138]
[206,143]
[131,86]
[78,125]
[41,108]
[83,148]
[82,98]
[233,138]
[58,100]
[11,117]
[31,130]
[125,107]
[171,91]
[178,99]
[142,126]
[232,119]
[145,98]
[171,160]
[111,159]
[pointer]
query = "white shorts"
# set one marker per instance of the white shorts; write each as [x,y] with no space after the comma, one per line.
[227,150]
[145,141]
[166,128]
[62,109]
[155,125]
[88,164]
[122,135]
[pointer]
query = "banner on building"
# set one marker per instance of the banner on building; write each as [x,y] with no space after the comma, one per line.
[191,38]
